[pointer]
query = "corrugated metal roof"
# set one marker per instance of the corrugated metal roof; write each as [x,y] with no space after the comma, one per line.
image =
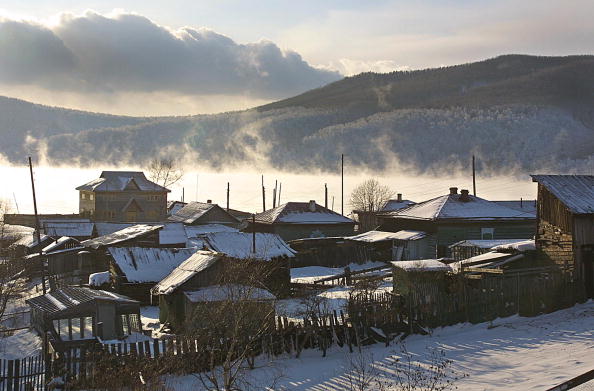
[70,297]
[199,261]
[576,192]
[195,210]
[452,207]
[148,264]
[123,235]
[300,213]
[120,180]
[239,245]
[380,236]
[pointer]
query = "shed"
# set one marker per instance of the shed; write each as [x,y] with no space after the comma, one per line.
[227,304]
[454,217]
[298,220]
[565,226]
[75,315]
[135,270]
[469,248]
[421,280]
[403,245]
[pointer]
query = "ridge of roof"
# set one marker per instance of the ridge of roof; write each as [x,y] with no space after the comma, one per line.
[275,215]
[576,192]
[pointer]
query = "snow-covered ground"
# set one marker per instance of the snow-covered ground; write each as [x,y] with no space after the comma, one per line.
[309,274]
[513,353]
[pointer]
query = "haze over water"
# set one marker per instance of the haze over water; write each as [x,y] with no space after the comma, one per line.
[56,192]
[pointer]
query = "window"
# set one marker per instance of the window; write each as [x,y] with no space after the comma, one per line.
[154,197]
[91,197]
[83,196]
[487,233]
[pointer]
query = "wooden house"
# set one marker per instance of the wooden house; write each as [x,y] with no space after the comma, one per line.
[75,316]
[207,268]
[328,252]
[200,213]
[455,217]
[171,235]
[565,225]
[123,196]
[403,245]
[297,220]
[135,270]
[79,229]
[425,277]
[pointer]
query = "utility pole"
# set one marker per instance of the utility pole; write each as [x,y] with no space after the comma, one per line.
[342,184]
[227,196]
[37,228]
[263,195]
[254,234]
[280,187]
[183,193]
[332,203]
[473,178]
[326,195]
[274,194]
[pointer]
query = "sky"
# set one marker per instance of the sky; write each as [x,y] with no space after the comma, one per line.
[204,56]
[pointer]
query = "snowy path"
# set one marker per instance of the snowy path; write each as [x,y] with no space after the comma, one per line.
[512,353]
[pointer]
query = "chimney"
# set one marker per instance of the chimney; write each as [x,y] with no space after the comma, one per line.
[399,197]
[209,201]
[453,190]
[464,196]
[312,205]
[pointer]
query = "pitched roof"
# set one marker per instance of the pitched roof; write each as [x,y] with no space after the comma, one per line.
[199,261]
[195,210]
[120,236]
[422,265]
[140,264]
[78,228]
[193,231]
[452,207]
[576,192]
[521,205]
[380,236]
[120,181]
[232,292]
[239,245]
[60,243]
[71,297]
[393,205]
[486,244]
[301,213]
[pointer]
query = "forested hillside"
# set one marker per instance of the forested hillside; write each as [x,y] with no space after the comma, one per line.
[516,113]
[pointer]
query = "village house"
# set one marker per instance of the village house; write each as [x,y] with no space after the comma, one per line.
[565,226]
[124,196]
[368,220]
[403,245]
[200,213]
[297,220]
[76,316]
[454,217]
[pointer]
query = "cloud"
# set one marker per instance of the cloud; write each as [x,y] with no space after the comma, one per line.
[123,52]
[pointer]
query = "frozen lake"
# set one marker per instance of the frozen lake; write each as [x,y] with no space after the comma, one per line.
[56,186]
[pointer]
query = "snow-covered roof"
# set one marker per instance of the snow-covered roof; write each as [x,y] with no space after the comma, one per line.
[195,210]
[576,192]
[98,279]
[70,297]
[174,206]
[490,259]
[140,264]
[453,207]
[199,261]
[30,240]
[393,205]
[16,231]
[422,265]
[521,246]
[301,213]
[380,236]
[68,228]
[172,232]
[120,181]
[486,244]
[239,245]
[521,205]
[229,292]
[120,236]
[60,243]
[194,230]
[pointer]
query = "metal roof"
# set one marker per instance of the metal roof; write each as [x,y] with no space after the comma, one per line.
[195,210]
[301,213]
[71,297]
[201,260]
[454,207]
[123,235]
[380,236]
[576,192]
[239,245]
[139,264]
[120,181]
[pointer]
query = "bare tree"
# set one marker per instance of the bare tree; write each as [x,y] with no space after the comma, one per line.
[165,171]
[370,196]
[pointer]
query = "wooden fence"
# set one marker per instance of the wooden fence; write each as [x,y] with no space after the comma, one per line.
[26,374]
